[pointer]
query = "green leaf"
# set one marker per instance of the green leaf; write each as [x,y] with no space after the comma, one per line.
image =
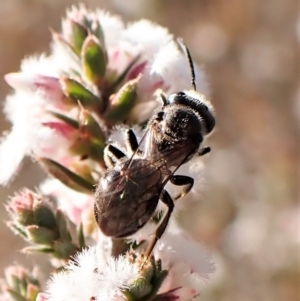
[58,39]
[93,60]
[122,103]
[64,233]
[156,286]
[122,76]
[32,292]
[44,216]
[17,229]
[14,295]
[80,235]
[38,249]
[76,91]
[41,235]
[64,250]
[97,31]
[90,127]
[69,121]
[91,137]
[77,36]
[66,176]
[25,217]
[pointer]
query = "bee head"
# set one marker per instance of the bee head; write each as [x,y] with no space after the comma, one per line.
[180,123]
[197,102]
[192,99]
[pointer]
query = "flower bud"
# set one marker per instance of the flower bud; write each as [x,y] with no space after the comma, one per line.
[48,228]
[19,284]
[151,277]
[20,208]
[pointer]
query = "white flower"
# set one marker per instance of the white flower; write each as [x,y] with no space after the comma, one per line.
[188,265]
[88,277]
[174,248]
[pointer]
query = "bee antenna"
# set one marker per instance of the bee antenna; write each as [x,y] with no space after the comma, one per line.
[190,61]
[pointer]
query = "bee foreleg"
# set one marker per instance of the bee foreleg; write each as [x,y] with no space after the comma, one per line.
[185,181]
[131,141]
[166,199]
[111,155]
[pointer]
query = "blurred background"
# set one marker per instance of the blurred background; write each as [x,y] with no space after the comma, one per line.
[249,217]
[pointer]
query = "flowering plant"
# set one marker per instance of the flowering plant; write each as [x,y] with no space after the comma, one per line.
[98,80]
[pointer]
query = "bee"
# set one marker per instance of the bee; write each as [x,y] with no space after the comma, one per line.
[128,193]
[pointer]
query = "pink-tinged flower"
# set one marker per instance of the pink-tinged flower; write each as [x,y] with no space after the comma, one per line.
[21,208]
[19,284]
[23,201]
[33,132]
[41,297]
[72,76]
[47,86]
[179,294]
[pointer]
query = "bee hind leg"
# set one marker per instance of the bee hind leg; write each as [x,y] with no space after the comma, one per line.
[204,150]
[166,199]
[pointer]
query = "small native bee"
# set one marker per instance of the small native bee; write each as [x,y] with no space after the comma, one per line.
[128,193]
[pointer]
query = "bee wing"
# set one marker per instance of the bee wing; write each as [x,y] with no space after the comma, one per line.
[148,152]
[130,200]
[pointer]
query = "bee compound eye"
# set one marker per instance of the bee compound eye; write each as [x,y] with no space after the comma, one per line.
[180,94]
[176,97]
[160,115]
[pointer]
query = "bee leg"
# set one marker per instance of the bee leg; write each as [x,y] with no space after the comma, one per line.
[111,155]
[204,150]
[131,141]
[166,199]
[185,181]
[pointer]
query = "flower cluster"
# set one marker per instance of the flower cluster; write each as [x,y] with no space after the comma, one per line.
[99,79]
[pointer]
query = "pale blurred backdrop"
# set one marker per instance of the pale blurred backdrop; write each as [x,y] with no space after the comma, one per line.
[249,214]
